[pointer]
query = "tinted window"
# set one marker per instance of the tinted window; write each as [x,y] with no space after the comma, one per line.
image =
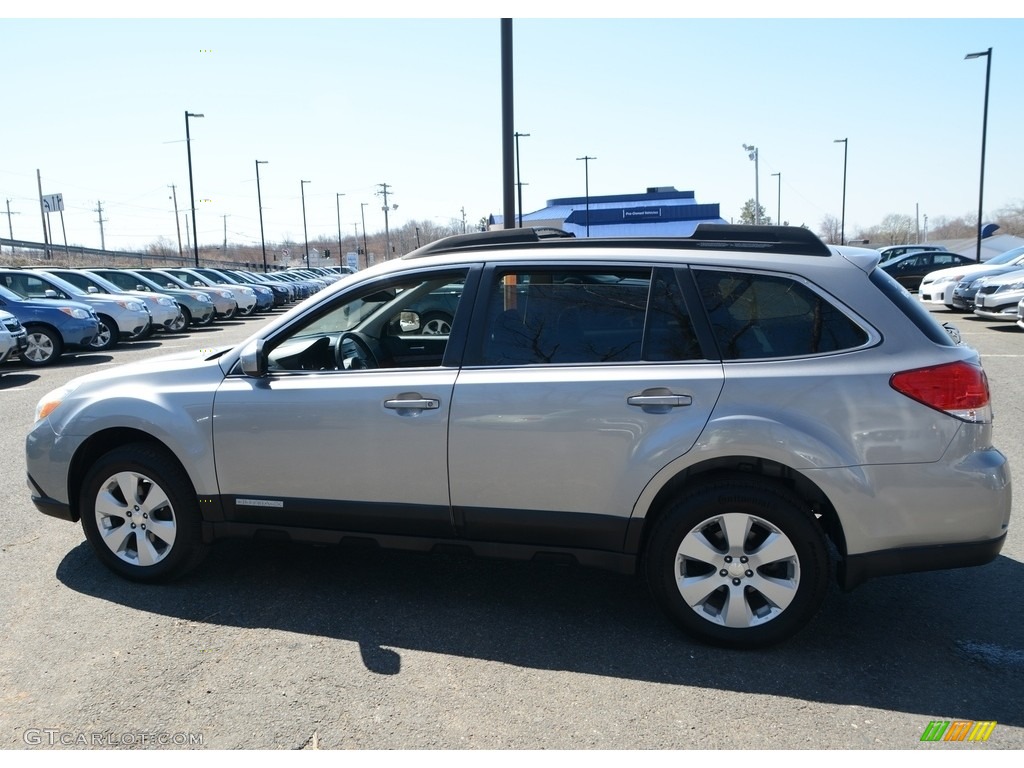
[539,316]
[756,316]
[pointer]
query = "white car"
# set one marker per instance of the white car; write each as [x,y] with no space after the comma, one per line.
[937,287]
[13,337]
[998,296]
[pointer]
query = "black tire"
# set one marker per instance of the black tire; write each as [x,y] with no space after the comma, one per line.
[436,324]
[181,322]
[45,346]
[107,336]
[130,489]
[709,543]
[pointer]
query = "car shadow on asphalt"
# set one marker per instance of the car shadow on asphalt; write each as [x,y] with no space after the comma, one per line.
[943,643]
[9,379]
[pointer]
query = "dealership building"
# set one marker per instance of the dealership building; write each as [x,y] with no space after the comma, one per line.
[658,212]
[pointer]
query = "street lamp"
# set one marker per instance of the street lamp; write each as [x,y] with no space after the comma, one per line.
[366,252]
[778,213]
[842,225]
[519,179]
[984,130]
[259,201]
[586,179]
[337,200]
[752,150]
[305,232]
[191,186]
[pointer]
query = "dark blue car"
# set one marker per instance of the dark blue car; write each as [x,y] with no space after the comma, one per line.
[54,326]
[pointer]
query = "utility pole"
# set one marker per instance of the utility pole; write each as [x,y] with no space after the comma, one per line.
[225,217]
[387,231]
[177,222]
[42,213]
[463,209]
[10,226]
[519,178]
[100,219]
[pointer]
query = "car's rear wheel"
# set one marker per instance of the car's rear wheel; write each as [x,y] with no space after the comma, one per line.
[738,561]
[44,346]
[140,513]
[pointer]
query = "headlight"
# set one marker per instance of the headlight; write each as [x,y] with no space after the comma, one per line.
[201,297]
[51,400]
[165,302]
[78,314]
[227,294]
[131,306]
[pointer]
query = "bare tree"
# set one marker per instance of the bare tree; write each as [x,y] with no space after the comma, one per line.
[830,229]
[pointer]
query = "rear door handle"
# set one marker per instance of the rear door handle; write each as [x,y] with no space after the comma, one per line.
[664,401]
[420,404]
[658,400]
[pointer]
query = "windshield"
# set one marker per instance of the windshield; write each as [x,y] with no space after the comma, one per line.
[1008,257]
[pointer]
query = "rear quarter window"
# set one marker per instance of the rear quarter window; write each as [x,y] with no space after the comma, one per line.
[764,316]
[911,307]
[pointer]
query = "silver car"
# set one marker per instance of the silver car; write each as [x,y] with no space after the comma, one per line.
[120,316]
[740,416]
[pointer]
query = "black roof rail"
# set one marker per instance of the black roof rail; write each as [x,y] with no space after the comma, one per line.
[798,241]
[493,237]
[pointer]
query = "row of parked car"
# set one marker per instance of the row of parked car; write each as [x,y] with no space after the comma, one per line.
[993,289]
[47,311]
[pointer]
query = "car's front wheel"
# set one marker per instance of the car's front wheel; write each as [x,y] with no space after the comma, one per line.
[107,336]
[739,562]
[436,324]
[140,513]
[44,346]
[181,322]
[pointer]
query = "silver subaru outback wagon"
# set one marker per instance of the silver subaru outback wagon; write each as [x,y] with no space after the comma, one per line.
[740,417]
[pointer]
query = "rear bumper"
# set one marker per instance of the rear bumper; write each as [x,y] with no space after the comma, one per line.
[856,569]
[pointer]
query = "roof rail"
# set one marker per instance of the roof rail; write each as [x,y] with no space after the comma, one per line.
[493,237]
[798,241]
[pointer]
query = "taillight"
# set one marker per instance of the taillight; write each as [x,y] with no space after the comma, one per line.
[959,389]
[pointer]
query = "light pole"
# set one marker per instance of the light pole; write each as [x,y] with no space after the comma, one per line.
[519,179]
[366,252]
[337,200]
[191,186]
[778,200]
[259,201]
[984,130]
[586,181]
[752,150]
[305,232]
[842,224]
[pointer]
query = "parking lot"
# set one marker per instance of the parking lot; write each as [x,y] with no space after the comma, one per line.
[272,646]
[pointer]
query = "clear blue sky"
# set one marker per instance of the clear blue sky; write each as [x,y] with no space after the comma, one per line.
[97,106]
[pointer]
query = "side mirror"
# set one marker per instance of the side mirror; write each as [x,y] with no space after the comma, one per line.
[50,294]
[407,322]
[92,289]
[253,360]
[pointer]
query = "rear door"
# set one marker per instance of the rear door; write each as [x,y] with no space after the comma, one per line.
[579,385]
